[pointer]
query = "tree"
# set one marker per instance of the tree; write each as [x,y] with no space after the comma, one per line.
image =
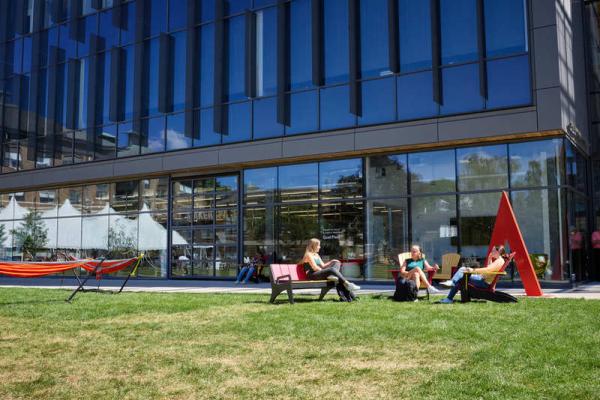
[32,235]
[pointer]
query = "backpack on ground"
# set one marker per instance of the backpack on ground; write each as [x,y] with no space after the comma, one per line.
[344,293]
[406,290]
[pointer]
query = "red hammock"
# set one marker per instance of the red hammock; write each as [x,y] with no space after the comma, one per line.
[37,269]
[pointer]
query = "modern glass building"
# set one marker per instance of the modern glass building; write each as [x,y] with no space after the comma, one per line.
[204,131]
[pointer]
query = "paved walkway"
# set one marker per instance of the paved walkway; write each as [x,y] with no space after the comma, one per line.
[585,291]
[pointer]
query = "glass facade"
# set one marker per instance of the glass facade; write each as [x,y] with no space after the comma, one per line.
[118,76]
[365,210]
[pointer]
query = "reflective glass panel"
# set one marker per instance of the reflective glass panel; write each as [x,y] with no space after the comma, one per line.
[387,224]
[177,15]
[108,32]
[155,194]
[342,235]
[432,171]
[266,52]
[300,46]
[540,214]
[106,138]
[259,232]
[235,58]
[505,27]
[341,179]
[415,35]
[158,16]
[387,175]
[335,41]
[176,137]
[69,235]
[378,98]
[477,218]
[208,136]
[128,23]
[335,108]
[260,186]
[152,240]
[415,96]
[207,59]
[303,113]
[374,44]
[537,163]
[125,196]
[458,20]
[94,236]
[265,119]
[128,140]
[298,182]
[238,122]
[508,82]
[154,139]
[461,89]
[236,6]
[152,49]
[482,167]
[296,224]
[179,62]
[434,225]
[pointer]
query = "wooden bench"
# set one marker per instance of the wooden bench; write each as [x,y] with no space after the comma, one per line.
[292,276]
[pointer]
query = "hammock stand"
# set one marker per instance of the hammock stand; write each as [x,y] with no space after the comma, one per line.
[94,267]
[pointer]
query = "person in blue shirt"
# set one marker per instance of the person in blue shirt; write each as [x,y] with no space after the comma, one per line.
[414,268]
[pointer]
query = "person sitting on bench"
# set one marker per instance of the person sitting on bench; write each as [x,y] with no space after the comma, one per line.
[479,278]
[247,270]
[412,269]
[316,269]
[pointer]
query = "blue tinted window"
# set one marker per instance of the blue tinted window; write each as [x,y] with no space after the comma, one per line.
[415,35]
[158,16]
[42,38]
[415,96]
[179,61]
[53,40]
[153,58]
[107,30]
[103,81]
[461,89]
[84,89]
[505,27]
[105,142]
[260,185]
[298,180]
[374,38]
[16,49]
[238,122]
[378,101]
[458,20]
[177,14]
[335,37]
[265,119]
[432,171]
[303,113]
[342,178]
[129,62]
[26,67]
[264,3]
[207,10]
[236,47]
[208,136]
[236,6]
[266,49]
[335,108]
[89,26]
[207,57]
[176,137]
[154,139]
[128,141]
[508,82]
[128,27]
[300,45]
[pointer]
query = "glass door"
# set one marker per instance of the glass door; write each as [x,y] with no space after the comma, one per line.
[204,234]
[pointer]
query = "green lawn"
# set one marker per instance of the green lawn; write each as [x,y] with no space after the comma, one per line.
[188,346]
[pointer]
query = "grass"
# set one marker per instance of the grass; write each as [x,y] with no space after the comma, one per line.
[218,346]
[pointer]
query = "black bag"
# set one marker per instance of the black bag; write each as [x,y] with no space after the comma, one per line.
[344,293]
[406,290]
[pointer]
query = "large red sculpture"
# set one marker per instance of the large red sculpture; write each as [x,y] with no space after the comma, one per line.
[506,230]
